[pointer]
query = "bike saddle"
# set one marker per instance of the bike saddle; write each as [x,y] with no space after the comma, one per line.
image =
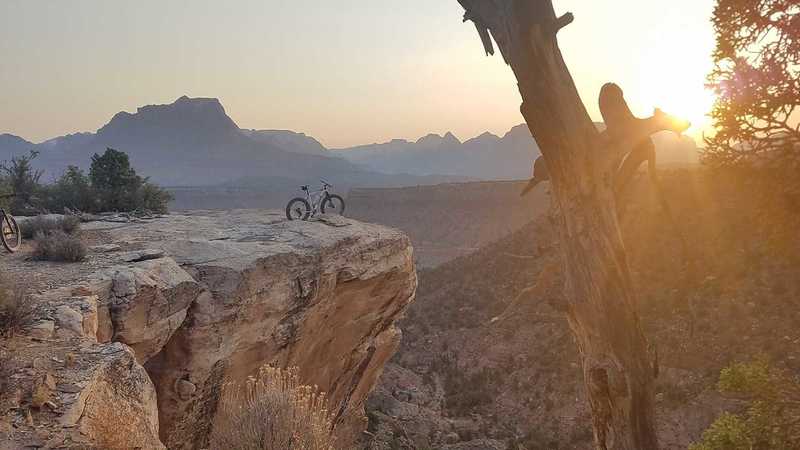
[304,187]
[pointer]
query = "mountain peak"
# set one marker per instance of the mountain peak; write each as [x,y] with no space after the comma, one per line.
[201,115]
[486,135]
[431,139]
[9,139]
[435,140]
[520,131]
[451,138]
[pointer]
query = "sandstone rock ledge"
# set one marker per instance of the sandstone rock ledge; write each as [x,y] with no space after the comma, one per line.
[140,347]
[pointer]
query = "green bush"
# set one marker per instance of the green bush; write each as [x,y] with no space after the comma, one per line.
[772,420]
[112,185]
[72,190]
[58,246]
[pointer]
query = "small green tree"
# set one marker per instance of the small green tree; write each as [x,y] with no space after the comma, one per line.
[772,419]
[114,180]
[119,188]
[72,190]
[23,181]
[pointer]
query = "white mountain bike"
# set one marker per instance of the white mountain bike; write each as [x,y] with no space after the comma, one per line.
[323,201]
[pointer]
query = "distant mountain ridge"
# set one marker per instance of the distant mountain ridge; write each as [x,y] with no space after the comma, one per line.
[193,142]
[487,157]
[289,141]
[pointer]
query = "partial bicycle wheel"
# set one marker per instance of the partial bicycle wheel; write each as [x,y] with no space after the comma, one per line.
[334,204]
[10,235]
[298,209]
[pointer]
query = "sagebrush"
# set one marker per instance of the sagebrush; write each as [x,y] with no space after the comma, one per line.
[16,308]
[58,246]
[272,411]
[43,224]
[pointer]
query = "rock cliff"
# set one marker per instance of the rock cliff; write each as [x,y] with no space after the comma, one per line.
[131,349]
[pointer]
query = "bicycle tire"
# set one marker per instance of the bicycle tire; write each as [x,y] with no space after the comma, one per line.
[298,205]
[330,200]
[11,244]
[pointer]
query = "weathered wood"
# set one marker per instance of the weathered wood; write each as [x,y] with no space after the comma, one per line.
[581,164]
[623,130]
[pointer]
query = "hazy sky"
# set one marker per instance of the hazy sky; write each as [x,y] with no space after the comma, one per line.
[345,71]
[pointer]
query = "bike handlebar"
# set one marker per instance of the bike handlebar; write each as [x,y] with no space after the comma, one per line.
[325,183]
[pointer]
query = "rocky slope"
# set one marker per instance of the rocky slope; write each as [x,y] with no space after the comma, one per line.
[487,359]
[130,349]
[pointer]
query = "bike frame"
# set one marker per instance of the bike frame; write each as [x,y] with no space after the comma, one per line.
[316,198]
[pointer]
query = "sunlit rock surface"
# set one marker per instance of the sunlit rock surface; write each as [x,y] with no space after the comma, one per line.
[211,297]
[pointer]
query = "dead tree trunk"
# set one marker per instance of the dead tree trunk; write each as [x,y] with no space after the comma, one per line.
[581,163]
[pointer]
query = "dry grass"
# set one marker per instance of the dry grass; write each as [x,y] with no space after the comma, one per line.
[272,411]
[58,246]
[7,368]
[16,309]
[47,225]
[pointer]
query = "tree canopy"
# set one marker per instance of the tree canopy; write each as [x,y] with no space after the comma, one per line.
[757,82]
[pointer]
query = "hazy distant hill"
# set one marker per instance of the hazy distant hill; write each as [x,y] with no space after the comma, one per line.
[11,145]
[288,141]
[487,156]
[193,142]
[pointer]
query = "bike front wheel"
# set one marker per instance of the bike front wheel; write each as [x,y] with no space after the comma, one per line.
[10,235]
[298,209]
[334,204]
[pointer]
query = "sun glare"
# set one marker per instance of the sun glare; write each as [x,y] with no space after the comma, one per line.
[691,104]
[673,77]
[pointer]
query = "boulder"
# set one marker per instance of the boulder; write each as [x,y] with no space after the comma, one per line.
[147,302]
[104,399]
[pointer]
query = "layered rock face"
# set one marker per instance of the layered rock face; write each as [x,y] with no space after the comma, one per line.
[197,300]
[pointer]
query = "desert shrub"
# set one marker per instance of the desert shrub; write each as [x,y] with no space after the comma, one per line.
[58,246]
[272,411]
[772,419]
[151,198]
[47,225]
[16,309]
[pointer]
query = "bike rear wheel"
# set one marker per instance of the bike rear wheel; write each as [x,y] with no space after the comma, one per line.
[334,204]
[10,235]
[298,209]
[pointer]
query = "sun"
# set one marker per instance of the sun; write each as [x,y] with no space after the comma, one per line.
[673,76]
[682,93]
[689,102]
